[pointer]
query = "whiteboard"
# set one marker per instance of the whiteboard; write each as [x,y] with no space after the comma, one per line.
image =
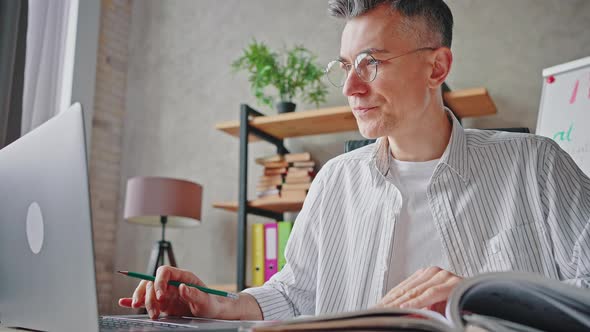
[564,113]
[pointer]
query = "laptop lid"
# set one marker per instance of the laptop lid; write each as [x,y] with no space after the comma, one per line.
[47,277]
[46,253]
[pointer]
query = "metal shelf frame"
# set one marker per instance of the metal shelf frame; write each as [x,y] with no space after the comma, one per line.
[246,113]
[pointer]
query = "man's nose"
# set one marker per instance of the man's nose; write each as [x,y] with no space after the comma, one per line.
[354,85]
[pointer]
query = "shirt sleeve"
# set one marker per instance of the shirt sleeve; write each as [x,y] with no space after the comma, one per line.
[291,291]
[565,197]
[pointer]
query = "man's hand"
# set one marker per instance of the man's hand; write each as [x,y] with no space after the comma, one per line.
[159,297]
[425,289]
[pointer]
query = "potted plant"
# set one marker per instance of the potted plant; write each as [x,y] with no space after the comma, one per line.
[292,73]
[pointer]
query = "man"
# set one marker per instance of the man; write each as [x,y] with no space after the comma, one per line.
[400,222]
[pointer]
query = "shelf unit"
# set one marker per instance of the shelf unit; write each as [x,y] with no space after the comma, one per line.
[254,126]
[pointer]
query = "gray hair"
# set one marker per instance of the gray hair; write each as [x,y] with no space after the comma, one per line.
[434,15]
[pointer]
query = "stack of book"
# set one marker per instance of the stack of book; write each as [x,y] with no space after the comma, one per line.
[268,247]
[286,177]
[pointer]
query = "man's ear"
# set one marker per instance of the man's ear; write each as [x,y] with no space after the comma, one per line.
[441,66]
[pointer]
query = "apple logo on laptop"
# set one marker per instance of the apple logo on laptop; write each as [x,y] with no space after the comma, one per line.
[35,228]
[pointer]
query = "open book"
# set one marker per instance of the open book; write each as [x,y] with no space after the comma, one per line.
[502,301]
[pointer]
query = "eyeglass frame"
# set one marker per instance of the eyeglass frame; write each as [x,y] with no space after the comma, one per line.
[377,62]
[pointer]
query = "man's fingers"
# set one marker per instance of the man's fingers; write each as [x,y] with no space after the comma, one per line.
[151,303]
[167,273]
[125,302]
[188,294]
[438,278]
[405,288]
[432,295]
[139,295]
[400,293]
[426,288]
[191,297]
[161,281]
[399,289]
[379,305]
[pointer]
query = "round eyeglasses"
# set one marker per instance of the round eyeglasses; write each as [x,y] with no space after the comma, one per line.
[365,66]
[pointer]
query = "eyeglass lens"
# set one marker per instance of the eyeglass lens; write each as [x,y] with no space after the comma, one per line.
[365,67]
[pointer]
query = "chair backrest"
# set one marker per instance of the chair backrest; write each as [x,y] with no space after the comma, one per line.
[355,144]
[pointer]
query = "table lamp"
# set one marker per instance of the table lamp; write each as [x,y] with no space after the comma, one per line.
[161,202]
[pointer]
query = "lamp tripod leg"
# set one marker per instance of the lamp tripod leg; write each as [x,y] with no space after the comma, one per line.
[156,258]
[159,251]
[171,258]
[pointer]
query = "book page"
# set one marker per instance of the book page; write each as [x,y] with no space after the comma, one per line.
[366,320]
[523,298]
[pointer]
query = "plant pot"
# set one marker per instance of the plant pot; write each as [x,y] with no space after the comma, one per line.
[285,107]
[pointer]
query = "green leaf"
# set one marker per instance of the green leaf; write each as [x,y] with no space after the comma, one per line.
[292,73]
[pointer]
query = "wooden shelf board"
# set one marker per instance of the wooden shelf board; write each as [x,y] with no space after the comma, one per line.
[274,205]
[229,206]
[470,102]
[224,287]
[465,103]
[296,124]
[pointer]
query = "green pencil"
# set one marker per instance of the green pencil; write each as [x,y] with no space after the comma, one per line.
[177,284]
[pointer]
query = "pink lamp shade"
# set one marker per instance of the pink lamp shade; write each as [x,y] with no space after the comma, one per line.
[149,198]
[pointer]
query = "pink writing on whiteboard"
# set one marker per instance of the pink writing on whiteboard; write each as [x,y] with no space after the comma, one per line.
[575,92]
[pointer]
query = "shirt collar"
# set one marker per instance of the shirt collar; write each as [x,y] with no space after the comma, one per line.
[454,156]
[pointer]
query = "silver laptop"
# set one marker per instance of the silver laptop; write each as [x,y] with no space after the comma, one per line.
[47,279]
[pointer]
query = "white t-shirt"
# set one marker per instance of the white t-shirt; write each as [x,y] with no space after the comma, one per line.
[416,242]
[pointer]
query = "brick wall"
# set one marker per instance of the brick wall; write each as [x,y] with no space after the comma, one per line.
[105,151]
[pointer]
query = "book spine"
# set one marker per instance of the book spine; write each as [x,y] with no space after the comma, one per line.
[284,229]
[270,250]
[257,254]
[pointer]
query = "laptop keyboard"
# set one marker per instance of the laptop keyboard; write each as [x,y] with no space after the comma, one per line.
[114,324]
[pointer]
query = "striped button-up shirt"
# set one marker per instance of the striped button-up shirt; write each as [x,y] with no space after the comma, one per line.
[500,201]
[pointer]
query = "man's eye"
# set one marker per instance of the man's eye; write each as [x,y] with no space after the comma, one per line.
[373,62]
